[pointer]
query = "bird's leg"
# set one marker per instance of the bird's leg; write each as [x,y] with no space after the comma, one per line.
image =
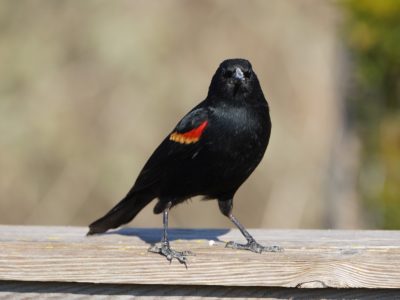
[164,248]
[252,245]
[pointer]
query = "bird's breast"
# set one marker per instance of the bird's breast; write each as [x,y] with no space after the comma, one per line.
[239,132]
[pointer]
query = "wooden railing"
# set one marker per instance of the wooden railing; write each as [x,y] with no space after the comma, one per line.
[62,261]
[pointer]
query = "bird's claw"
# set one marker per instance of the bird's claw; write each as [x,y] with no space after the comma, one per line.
[254,247]
[170,254]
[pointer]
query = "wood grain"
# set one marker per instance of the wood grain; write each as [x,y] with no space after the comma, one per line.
[312,258]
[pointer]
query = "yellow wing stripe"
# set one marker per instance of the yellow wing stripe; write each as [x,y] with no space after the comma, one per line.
[180,138]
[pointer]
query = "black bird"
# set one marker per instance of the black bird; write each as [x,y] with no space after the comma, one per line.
[210,153]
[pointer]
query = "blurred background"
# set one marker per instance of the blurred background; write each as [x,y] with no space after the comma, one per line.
[88,89]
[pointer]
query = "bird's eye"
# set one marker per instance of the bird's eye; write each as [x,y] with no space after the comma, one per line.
[247,74]
[228,74]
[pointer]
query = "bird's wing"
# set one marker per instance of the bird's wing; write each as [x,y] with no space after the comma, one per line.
[183,142]
[190,129]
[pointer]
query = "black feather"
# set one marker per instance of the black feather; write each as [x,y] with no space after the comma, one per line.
[215,166]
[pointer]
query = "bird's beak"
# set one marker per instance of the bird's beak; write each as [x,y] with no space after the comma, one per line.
[238,74]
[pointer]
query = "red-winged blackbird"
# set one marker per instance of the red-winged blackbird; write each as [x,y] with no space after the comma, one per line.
[211,152]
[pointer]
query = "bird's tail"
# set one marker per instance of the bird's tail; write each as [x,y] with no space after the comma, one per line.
[121,214]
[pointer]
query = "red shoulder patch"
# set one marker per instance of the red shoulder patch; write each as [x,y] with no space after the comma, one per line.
[189,137]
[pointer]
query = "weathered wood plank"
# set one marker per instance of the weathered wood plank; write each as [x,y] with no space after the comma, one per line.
[312,258]
[57,290]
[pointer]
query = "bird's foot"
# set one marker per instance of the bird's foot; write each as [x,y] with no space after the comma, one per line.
[254,247]
[170,254]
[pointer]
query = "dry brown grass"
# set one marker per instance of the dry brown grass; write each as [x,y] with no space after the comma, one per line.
[89,88]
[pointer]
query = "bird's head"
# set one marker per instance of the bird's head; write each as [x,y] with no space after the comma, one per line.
[234,79]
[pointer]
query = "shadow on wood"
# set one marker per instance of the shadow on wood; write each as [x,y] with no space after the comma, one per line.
[24,290]
[153,235]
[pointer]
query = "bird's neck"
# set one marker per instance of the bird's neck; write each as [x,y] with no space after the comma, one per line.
[240,101]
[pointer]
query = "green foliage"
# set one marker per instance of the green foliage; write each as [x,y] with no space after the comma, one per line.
[373,36]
